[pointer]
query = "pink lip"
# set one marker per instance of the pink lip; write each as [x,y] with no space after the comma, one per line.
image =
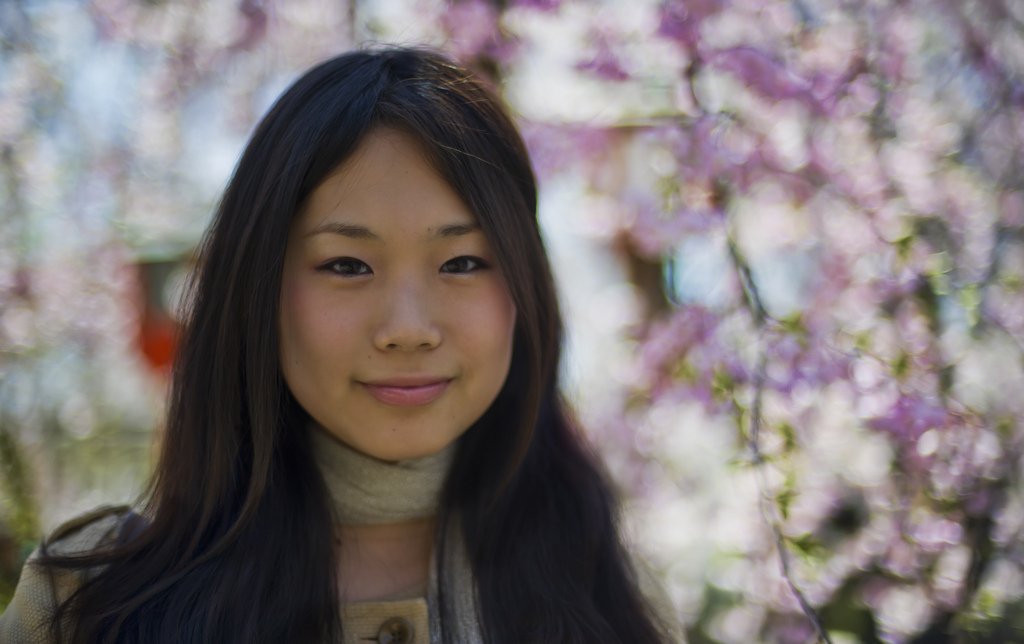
[407,392]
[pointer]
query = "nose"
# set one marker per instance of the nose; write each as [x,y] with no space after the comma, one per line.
[408,321]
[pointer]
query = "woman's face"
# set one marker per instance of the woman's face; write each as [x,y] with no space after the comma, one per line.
[396,324]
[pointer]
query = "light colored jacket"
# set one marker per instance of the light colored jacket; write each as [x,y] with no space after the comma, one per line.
[28,617]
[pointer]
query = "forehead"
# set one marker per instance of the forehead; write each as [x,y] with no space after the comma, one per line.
[388,182]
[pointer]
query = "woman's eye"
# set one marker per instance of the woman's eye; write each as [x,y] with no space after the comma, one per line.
[347,267]
[463,264]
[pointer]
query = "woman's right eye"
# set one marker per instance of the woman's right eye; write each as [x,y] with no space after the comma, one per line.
[347,267]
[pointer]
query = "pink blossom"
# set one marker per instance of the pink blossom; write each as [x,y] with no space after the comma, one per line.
[539,5]
[472,26]
[555,148]
[254,25]
[762,74]
[680,20]
[910,417]
[603,61]
[653,231]
[669,339]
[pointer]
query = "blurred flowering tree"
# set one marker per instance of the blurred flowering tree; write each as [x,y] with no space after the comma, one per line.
[823,212]
[813,383]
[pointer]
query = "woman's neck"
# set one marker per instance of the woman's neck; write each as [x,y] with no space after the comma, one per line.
[384,517]
[382,560]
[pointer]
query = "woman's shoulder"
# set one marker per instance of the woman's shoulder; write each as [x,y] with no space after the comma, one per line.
[88,531]
[41,588]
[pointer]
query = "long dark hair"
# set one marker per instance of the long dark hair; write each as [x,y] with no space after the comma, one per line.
[235,544]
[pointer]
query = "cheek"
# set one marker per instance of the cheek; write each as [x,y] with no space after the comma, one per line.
[295,321]
[311,328]
[492,323]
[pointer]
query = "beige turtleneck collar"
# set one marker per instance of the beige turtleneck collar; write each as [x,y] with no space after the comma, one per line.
[366,491]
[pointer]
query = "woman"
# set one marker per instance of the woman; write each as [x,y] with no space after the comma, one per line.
[364,411]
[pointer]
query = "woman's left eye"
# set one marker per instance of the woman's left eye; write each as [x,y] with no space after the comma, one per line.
[464,264]
[347,267]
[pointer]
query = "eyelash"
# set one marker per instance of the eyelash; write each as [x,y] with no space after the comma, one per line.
[348,262]
[476,264]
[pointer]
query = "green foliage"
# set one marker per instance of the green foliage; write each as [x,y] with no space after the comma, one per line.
[21,524]
[722,385]
[807,546]
[21,517]
[846,613]
[789,439]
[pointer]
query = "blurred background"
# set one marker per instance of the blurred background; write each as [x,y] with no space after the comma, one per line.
[789,236]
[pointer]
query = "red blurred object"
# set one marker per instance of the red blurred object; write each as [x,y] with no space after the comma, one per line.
[158,329]
[157,339]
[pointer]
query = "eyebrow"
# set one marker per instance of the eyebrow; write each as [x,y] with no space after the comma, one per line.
[352,231]
[358,231]
[455,230]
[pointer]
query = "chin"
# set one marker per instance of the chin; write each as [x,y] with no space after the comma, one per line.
[397,449]
[408,453]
